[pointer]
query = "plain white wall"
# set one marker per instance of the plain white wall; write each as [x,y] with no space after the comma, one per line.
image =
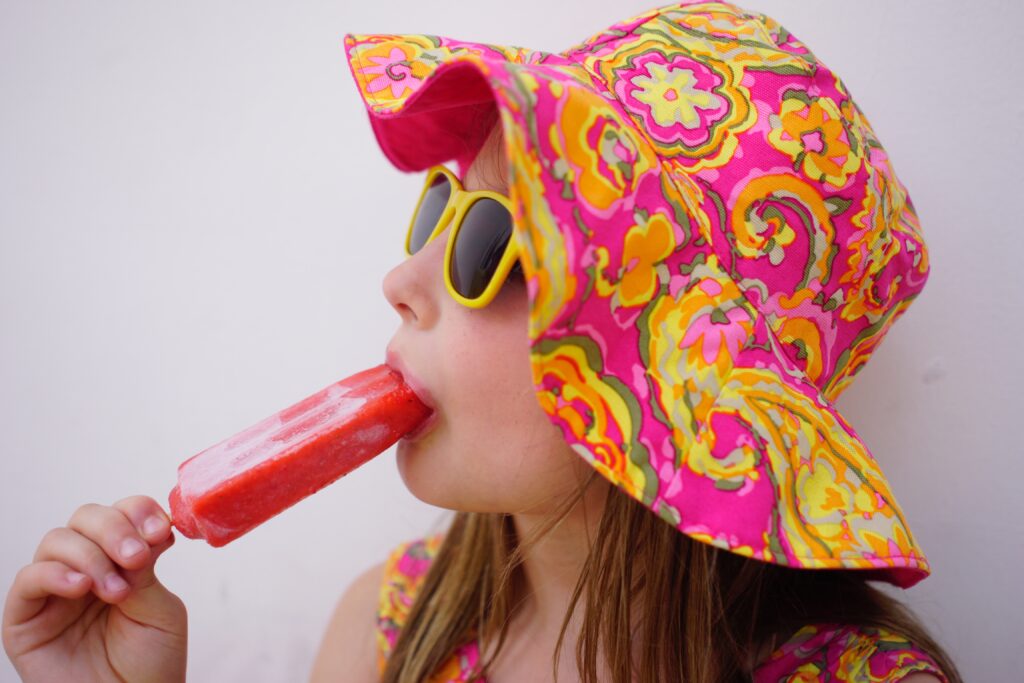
[194,225]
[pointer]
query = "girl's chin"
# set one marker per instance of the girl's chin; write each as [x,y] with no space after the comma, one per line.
[427,478]
[402,449]
[414,441]
[416,468]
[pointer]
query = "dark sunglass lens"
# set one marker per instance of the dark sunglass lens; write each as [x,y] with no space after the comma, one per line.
[434,200]
[482,239]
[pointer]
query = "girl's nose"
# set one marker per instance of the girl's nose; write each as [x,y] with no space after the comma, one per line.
[409,289]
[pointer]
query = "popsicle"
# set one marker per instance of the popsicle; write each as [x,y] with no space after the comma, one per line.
[239,483]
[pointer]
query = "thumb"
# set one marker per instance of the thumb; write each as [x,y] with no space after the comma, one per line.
[149,602]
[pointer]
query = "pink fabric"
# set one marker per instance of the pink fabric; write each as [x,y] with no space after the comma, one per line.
[714,243]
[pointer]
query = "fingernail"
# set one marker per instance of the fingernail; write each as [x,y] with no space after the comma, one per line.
[152,525]
[114,583]
[131,547]
[74,577]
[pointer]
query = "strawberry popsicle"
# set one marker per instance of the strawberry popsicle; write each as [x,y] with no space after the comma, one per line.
[239,483]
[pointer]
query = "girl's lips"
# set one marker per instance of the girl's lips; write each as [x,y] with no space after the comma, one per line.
[394,361]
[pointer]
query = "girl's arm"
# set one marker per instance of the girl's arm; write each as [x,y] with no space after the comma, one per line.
[348,651]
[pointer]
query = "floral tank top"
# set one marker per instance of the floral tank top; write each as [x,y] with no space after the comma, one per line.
[817,652]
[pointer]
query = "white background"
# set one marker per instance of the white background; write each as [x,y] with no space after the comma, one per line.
[194,224]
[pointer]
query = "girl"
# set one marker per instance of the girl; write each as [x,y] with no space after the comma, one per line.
[704,241]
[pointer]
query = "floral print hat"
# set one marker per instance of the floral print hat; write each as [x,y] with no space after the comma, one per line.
[714,243]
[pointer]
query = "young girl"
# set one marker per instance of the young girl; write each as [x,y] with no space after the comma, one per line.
[703,241]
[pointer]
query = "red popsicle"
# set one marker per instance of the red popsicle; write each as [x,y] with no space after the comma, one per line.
[239,483]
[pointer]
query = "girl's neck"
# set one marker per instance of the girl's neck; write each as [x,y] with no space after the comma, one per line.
[552,568]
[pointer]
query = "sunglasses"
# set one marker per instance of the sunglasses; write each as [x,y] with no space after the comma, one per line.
[480,252]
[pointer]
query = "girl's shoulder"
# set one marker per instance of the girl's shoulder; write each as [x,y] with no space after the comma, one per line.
[855,653]
[404,571]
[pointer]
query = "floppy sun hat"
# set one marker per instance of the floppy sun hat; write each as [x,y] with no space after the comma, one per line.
[714,243]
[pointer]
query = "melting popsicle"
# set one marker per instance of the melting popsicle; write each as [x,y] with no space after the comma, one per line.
[239,483]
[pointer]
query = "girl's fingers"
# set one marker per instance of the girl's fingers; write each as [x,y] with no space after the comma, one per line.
[148,518]
[153,523]
[112,531]
[108,551]
[141,579]
[36,582]
[85,556]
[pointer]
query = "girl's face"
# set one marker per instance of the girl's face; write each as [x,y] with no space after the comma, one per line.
[491,448]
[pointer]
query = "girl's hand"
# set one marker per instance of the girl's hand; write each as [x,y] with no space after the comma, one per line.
[89,607]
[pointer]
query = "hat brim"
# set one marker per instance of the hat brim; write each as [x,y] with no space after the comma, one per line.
[645,351]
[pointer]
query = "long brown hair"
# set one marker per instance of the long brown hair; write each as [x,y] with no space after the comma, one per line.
[704,614]
[659,605]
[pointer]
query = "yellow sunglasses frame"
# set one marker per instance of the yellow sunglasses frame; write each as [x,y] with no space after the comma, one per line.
[459,202]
